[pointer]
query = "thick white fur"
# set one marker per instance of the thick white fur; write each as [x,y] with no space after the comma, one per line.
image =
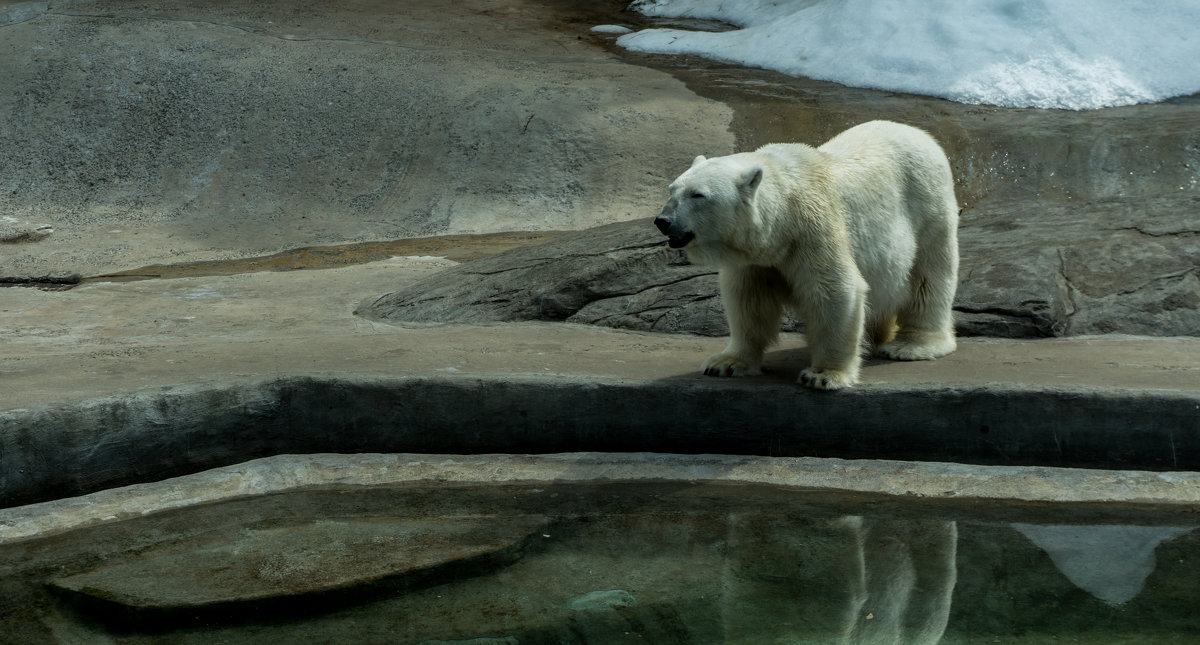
[859,234]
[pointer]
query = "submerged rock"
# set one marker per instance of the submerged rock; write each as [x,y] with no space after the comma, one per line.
[281,566]
[603,600]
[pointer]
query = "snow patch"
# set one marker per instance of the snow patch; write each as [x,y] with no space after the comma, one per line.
[1068,54]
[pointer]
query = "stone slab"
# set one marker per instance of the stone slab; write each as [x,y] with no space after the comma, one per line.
[983,489]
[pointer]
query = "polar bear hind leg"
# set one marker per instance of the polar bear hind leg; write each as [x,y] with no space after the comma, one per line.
[926,319]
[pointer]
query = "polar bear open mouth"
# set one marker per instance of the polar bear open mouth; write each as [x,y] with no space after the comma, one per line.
[681,241]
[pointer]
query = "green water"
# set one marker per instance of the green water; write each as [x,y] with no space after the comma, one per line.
[607,564]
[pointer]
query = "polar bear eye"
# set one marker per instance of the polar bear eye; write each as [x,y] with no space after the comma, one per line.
[697,196]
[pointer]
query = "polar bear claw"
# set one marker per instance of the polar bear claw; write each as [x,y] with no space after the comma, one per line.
[824,379]
[728,365]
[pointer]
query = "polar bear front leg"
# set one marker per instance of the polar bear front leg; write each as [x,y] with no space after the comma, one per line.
[730,362]
[834,324]
[753,308]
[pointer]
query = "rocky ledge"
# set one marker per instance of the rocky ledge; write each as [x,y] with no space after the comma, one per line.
[1027,270]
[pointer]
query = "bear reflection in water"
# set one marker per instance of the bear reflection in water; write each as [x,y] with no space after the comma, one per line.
[864,581]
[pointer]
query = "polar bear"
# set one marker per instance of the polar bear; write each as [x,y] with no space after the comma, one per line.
[858,234]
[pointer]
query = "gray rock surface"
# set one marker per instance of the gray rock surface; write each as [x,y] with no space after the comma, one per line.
[15,231]
[150,133]
[1094,403]
[1074,223]
[620,275]
[1126,266]
[1106,266]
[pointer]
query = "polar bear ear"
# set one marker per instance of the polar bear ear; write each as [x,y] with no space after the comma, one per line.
[699,160]
[750,180]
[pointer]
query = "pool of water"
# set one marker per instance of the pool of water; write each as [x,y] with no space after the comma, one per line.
[607,563]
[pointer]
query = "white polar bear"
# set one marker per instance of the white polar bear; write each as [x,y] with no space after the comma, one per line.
[860,233]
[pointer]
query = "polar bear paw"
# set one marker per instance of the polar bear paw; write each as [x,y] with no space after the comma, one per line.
[826,379]
[728,365]
[923,349]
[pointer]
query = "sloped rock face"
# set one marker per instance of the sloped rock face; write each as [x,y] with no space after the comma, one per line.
[1027,270]
[154,133]
[619,275]
[1124,266]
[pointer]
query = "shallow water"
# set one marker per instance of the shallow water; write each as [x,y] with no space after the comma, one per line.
[617,563]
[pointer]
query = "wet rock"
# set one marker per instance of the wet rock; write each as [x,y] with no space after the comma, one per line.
[603,600]
[1027,270]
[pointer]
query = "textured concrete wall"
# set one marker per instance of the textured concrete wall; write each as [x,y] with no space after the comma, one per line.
[71,449]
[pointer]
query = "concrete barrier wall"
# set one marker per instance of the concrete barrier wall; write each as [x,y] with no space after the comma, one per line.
[64,450]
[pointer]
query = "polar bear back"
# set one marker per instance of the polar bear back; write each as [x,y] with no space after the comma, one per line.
[897,194]
[892,171]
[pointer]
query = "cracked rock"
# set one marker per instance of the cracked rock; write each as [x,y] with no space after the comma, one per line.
[1106,266]
[1121,265]
[619,275]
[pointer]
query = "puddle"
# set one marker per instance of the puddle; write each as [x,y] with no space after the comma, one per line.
[566,562]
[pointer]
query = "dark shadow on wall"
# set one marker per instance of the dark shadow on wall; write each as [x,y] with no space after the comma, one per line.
[69,449]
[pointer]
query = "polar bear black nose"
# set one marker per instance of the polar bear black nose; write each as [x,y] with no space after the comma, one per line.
[663,224]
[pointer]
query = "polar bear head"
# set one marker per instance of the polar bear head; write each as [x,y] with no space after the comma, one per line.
[710,204]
